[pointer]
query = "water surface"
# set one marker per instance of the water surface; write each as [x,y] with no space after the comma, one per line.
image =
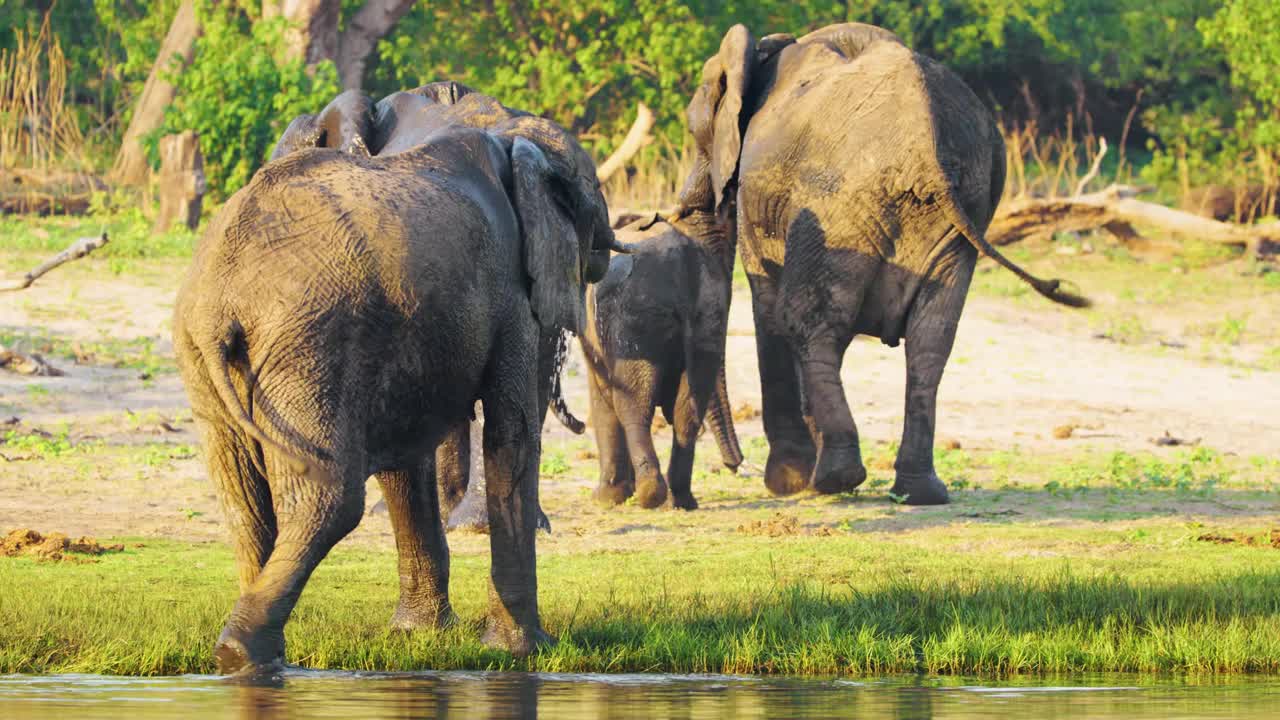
[314,694]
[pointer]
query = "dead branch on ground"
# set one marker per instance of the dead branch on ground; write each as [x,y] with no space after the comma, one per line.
[75,251]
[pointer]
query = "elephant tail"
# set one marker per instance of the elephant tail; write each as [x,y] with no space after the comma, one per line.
[1051,289]
[218,363]
[558,405]
[721,417]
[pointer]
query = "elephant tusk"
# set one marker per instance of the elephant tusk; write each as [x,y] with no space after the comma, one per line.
[657,218]
[618,246]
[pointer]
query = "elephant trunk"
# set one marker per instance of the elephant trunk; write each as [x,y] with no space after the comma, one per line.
[558,405]
[721,418]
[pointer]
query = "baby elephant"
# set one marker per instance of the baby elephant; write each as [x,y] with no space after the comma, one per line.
[654,337]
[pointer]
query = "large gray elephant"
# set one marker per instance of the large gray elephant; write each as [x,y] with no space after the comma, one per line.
[401,121]
[654,338]
[862,177]
[342,314]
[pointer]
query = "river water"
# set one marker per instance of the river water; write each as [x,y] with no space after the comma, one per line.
[314,694]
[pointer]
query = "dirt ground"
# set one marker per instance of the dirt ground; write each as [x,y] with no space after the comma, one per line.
[109,449]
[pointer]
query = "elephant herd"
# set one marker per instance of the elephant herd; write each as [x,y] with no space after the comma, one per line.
[398,261]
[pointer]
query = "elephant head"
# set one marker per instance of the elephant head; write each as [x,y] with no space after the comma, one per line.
[346,125]
[734,83]
[564,220]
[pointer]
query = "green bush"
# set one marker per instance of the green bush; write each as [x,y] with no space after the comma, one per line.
[238,95]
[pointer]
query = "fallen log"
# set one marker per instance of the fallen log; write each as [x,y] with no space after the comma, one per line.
[637,137]
[75,251]
[1117,210]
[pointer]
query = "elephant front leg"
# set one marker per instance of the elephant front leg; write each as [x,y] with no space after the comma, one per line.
[511,456]
[931,332]
[684,438]
[792,451]
[414,508]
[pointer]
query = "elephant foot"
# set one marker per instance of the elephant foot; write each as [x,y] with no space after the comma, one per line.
[683,501]
[609,495]
[246,656]
[920,490]
[651,493]
[520,642]
[424,616]
[787,474]
[839,470]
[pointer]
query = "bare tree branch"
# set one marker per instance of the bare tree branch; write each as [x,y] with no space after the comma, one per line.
[637,137]
[1093,170]
[369,25]
[75,251]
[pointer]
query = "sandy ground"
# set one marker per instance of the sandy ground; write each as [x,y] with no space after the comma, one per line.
[1020,369]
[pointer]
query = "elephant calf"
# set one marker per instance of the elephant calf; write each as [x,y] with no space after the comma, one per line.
[654,337]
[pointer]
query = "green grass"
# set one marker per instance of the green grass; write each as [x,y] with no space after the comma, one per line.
[129,231]
[845,604]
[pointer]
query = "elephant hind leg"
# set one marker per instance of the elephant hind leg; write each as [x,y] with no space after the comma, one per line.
[313,512]
[931,332]
[414,507]
[617,482]
[792,450]
[839,467]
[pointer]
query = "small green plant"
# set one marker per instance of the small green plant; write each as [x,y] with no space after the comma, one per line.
[1231,329]
[553,463]
[42,444]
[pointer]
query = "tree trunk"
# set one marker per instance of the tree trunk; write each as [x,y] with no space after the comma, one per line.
[182,183]
[130,167]
[313,27]
[637,137]
[373,21]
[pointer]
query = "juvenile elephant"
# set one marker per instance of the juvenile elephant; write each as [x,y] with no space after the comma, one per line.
[655,337]
[862,177]
[342,314]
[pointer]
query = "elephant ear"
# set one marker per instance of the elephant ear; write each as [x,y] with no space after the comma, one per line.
[303,132]
[346,124]
[548,233]
[715,118]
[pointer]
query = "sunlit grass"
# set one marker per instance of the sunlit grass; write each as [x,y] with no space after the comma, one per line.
[845,604]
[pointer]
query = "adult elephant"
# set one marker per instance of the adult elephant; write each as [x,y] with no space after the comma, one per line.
[861,177]
[342,314]
[399,122]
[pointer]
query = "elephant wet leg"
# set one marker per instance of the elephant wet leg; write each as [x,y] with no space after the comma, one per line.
[792,451]
[313,512]
[931,331]
[839,467]
[617,483]
[412,503]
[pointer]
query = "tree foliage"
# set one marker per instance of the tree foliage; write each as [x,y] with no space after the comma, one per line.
[1201,72]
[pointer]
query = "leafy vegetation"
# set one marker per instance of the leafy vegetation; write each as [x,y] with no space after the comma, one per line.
[1147,75]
